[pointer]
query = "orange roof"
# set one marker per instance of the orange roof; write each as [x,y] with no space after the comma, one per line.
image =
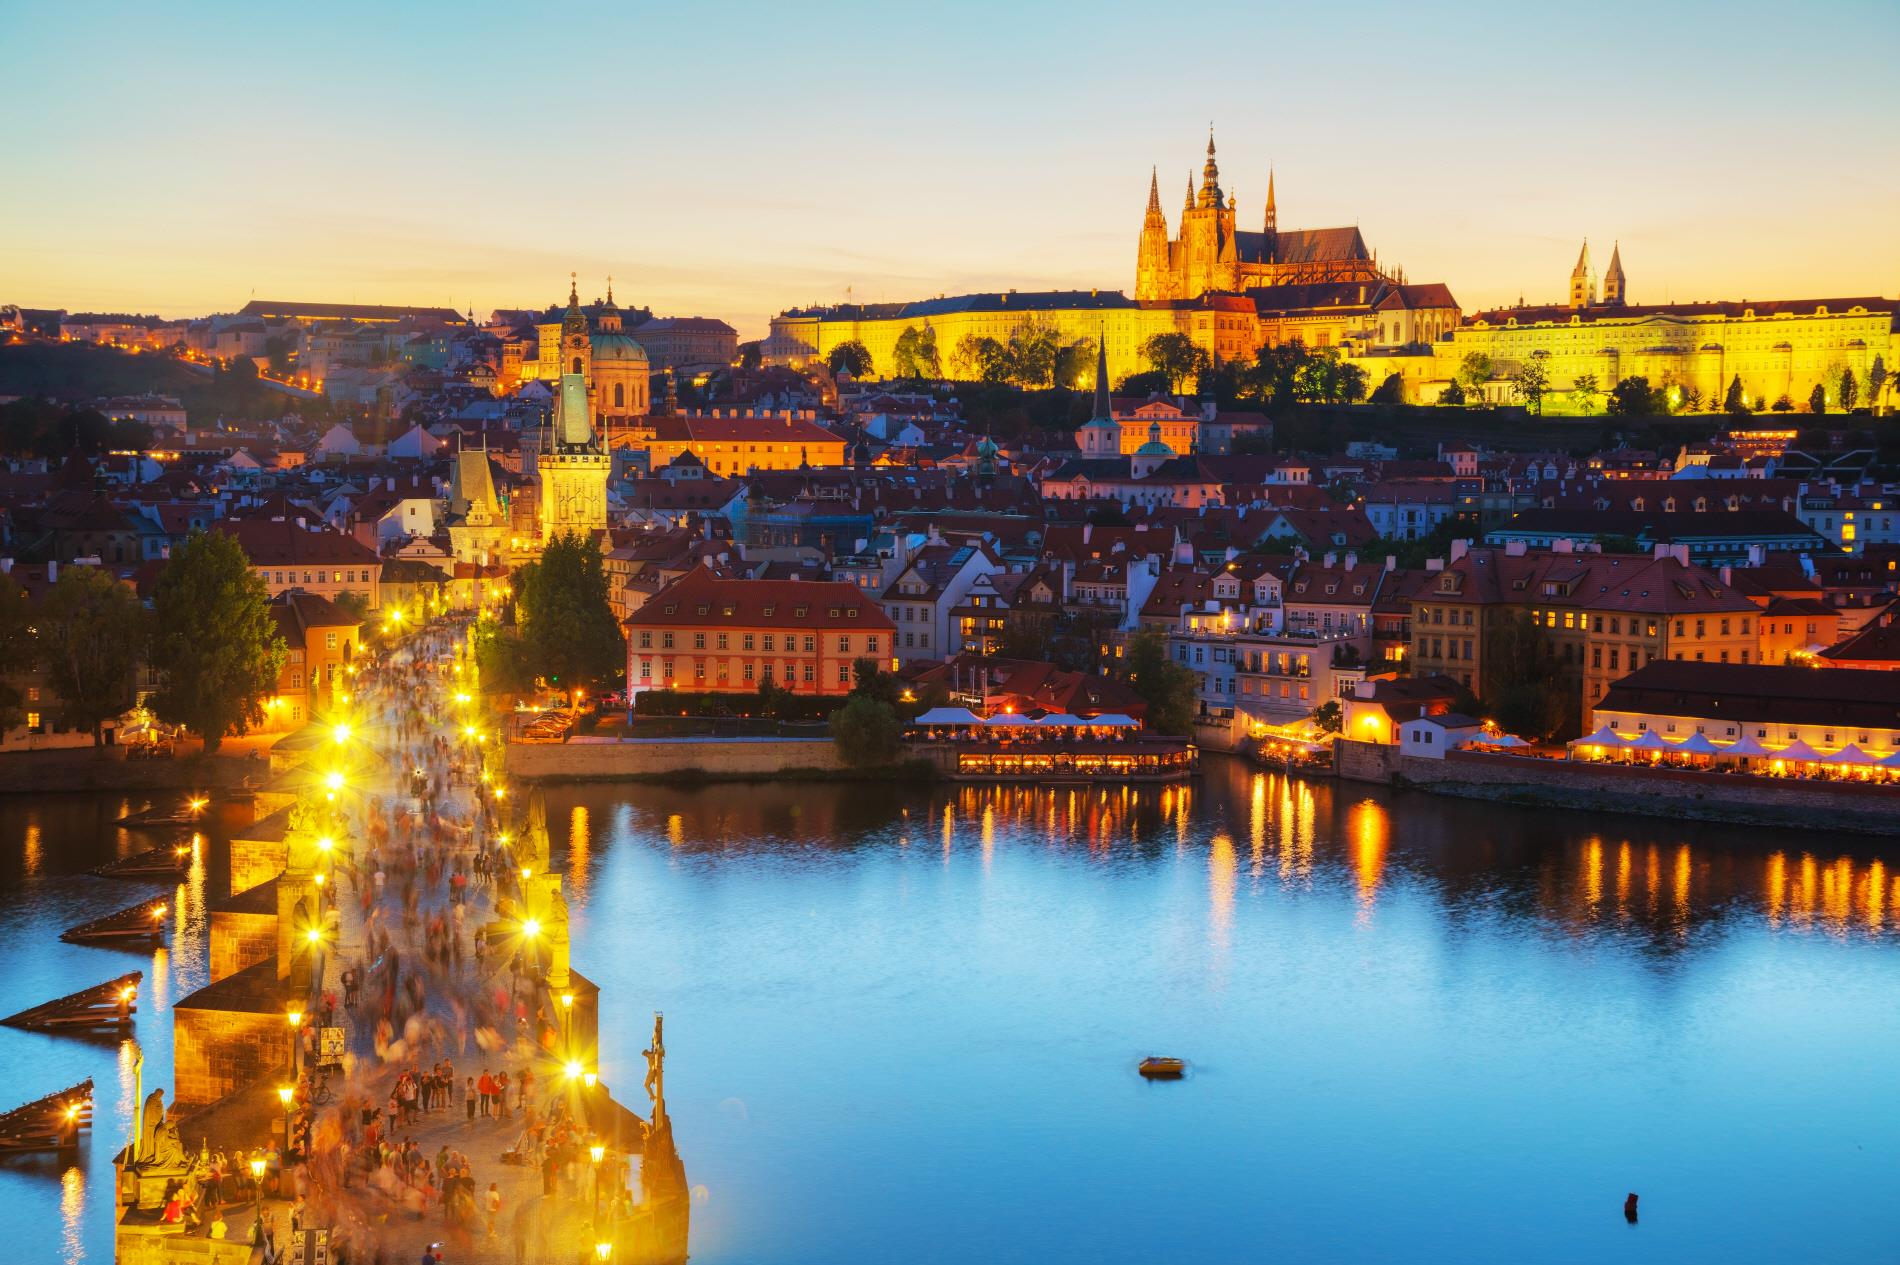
[700,599]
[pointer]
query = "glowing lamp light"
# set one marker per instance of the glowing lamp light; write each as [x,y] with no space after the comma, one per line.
[325,843]
[257,1170]
[284,1093]
[295,1018]
[341,733]
[333,780]
[314,935]
[589,1079]
[598,1151]
[72,1111]
[127,993]
[573,1070]
[158,911]
[531,927]
[567,1000]
[603,1250]
[527,872]
[198,802]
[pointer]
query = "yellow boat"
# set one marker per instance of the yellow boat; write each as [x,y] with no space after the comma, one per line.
[1160,1068]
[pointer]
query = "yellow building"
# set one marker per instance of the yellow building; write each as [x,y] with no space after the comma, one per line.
[612,364]
[737,444]
[1777,348]
[574,466]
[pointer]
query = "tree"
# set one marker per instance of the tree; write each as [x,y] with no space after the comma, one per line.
[1583,393]
[866,730]
[850,357]
[1075,363]
[1475,372]
[1453,395]
[498,660]
[17,649]
[1876,382]
[1391,391]
[1733,401]
[1174,356]
[277,347]
[1351,385]
[1783,404]
[1147,382]
[1275,370]
[1530,382]
[1166,686]
[1632,397]
[1032,348]
[1817,399]
[90,632]
[569,635]
[1329,716]
[984,358]
[915,355]
[1850,390]
[1524,684]
[751,355]
[213,639]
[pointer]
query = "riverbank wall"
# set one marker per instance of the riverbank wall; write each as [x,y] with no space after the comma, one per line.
[109,769]
[632,759]
[1616,788]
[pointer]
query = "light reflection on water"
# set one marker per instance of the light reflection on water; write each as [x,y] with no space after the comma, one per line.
[903,1023]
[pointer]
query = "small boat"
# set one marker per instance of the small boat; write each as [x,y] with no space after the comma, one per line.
[1158,1068]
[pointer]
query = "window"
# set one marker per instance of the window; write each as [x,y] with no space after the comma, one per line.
[666,668]
[329,641]
[646,640]
[809,643]
[719,640]
[699,641]
[745,641]
[748,671]
[666,641]
[844,642]
[33,723]
[699,669]
[771,642]
[808,674]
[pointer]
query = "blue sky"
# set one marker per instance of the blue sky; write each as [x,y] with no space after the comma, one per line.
[736,159]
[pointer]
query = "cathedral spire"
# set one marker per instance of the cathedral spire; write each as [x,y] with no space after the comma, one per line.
[610,289]
[1104,411]
[1210,174]
[1154,191]
[1189,204]
[1613,279]
[1273,212]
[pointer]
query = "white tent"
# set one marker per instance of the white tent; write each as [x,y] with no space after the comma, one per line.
[1604,737]
[1799,752]
[1498,740]
[949,716]
[1849,754]
[1114,720]
[1650,740]
[1063,719]
[1697,744]
[1744,746]
[1009,719]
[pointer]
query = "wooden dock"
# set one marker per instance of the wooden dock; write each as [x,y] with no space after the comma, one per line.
[166,861]
[51,1123]
[140,923]
[103,1006]
[185,814]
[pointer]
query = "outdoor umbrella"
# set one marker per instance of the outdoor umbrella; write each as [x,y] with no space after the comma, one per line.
[1849,754]
[1651,741]
[949,716]
[1061,718]
[1009,719]
[1114,720]
[1604,737]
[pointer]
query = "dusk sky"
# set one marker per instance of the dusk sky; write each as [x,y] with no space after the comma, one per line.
[734,160]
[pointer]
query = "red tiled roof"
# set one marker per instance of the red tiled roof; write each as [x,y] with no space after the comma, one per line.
[699,599]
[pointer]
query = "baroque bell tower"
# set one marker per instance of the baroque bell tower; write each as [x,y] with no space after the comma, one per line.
[574,467]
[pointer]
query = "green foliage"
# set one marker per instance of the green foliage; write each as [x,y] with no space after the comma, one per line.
[1732,400]
[568,630]
[1329,716]
[1391,391]
[1583,393]
[916,354]
[1850,390]
[850,357]
[866,730]
[1453,396]
[1175,357]
[498,660]
[1475,372]
[1413,554]
[1148,382]
[1525,688]
[213,639]
[751,355]
[1075,363]
[17,649]
[1166,686]
[1615,543]
[1876,381]
[1530,382]
[91,629]
[1817,399]
[1783,404]
[1633,397]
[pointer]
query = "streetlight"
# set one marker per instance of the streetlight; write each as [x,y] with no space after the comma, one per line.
[341,733]
[567,1020]
[598,1152]
[604,1250]
[295,1019]
[284,1095]
[257,1184]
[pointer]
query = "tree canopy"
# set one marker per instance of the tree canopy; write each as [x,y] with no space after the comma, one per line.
[1166,686]
[851,357]
[569,635]
[91,629]
[213,639]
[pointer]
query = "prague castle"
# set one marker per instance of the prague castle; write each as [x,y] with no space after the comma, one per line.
[1234,291]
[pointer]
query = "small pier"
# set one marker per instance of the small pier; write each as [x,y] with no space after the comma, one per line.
[103,1007]
[51,1123]
[167,861]
[143,923]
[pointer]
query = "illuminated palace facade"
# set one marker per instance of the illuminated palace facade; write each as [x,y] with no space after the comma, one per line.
[1230,291]
[1779,347]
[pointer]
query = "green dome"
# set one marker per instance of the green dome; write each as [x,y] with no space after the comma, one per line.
[1154,448]
[611,346]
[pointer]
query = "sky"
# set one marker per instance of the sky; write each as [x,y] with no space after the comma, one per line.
[733,160]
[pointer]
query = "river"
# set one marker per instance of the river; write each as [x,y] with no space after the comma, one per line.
[903,1023]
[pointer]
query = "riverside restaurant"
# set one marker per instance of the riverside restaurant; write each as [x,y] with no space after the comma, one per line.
[1054,747]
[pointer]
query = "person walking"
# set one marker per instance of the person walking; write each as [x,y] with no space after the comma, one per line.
[494,1207]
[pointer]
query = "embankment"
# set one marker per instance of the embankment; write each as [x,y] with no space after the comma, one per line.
[108,769]
[589,759]
[1614,788]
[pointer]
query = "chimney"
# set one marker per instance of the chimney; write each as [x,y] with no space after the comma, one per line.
[1437,564]
[1329,559]
[1516,549]
[1352,559]
[1459,548]
[1391,562]
[1757,555]
[52,572]
[1563,546]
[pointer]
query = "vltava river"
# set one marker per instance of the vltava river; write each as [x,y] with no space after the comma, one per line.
[903,1025]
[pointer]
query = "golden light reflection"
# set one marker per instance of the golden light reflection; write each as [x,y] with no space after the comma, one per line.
[1623,862]
[72,1213]
[676,830]
[988,834]
[32,858]
[1221,868]
[1876,895]
[1257,821]
[1681,877]
[1592,875]
[578,840]
[949,830]
[1371,834]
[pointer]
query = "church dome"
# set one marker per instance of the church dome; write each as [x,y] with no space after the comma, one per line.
[1154,448]
[610,347]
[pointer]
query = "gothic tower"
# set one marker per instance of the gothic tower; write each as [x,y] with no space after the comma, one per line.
[574,468]
[1583,281]
[1207,249]
[1152,276]
[1613,283]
